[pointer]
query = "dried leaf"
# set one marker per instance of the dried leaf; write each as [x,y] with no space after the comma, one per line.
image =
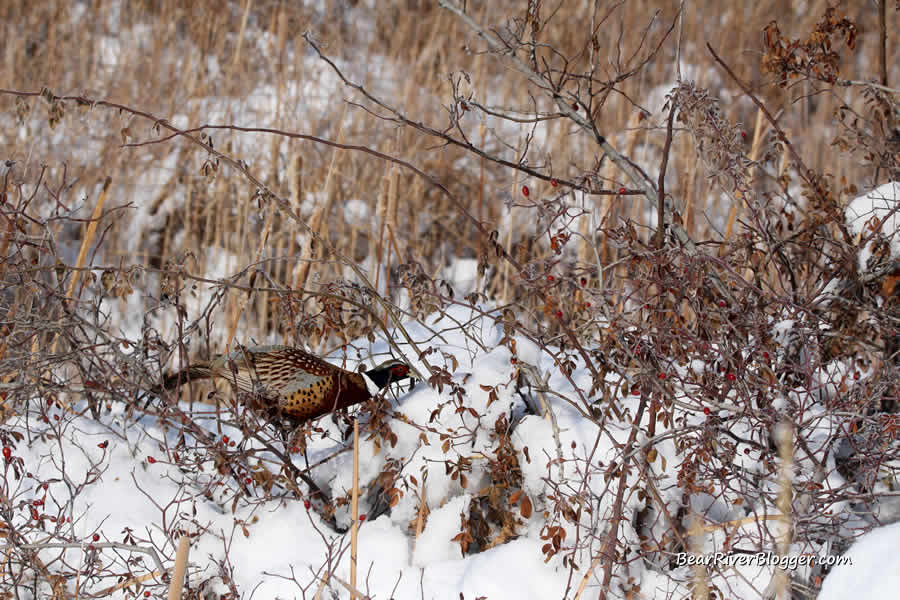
[525,507]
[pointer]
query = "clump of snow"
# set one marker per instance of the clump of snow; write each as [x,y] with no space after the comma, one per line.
[444,523]
[462,274]
[871,570]
[876,212]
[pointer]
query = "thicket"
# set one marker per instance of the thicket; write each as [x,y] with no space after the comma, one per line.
[639,198]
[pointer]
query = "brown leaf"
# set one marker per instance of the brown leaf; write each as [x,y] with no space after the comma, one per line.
[889,286]
[525,507]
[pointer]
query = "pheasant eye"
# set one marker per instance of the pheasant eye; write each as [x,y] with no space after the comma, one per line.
[400,370]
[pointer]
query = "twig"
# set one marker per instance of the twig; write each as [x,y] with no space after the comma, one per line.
[98,545]
[640,179]
[539,385]
[661,185]
[354,592]
[130,581]
[805,172]
[609,547]
[399,117]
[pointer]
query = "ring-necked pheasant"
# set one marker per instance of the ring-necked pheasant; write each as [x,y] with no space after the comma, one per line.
[292,384]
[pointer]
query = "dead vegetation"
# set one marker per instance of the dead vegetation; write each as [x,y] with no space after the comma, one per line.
[637,194]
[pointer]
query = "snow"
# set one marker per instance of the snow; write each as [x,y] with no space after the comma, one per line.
[269,543]
[514,570]
[873,570]
[356,212]
[462,274]
[875,214]
[435,544]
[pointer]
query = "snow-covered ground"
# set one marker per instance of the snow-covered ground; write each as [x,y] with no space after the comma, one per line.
[127,486]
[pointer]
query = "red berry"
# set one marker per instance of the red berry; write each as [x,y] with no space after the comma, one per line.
[622,190]
[730,376]
[306,504]
[765,356]
[706,410]
[151,460]
[96,537]
[102,445]
[231,444]
[662,375]
[559,314]
[34,514]
[295,449]
[583,281]
[549,277]
[587,304]
[856,376]
[147,594]
[7,452]
[554,183]
[362,517]
[744,134]
[38,502]
[525,191]
[722,303]
[225,439]
[247,480]
[575,106]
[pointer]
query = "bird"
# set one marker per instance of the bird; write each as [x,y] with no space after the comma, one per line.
[291,384]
